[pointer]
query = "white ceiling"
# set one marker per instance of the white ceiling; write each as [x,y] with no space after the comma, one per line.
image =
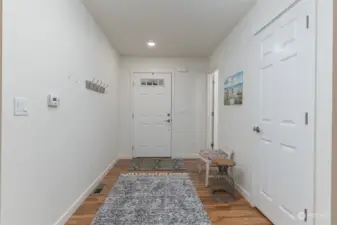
[179,27]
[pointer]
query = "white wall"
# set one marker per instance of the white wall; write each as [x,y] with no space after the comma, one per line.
[189,122]
[239,51]
[334,140]
[52,156]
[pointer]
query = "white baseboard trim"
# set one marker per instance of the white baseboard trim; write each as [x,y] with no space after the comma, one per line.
[72,209]
[245,194]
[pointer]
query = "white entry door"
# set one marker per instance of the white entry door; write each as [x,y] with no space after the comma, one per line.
[152,114]
[286,126]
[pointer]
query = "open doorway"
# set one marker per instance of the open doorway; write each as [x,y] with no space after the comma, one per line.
[212,109]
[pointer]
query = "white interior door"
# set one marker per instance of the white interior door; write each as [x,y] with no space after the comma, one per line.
[152,115]
[212,111]
[216,109]
[286,126]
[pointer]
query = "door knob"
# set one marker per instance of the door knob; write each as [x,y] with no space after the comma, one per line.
[257,129]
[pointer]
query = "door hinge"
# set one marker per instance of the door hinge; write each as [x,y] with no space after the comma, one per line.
[212,145]
[305,215]
[133,147]
[308,21]
[306,118]
[212,114]
[133,83]
[133,115]
[213,81]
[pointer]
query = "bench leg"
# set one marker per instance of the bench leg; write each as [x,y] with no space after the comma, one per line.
[207,174]
[200,166]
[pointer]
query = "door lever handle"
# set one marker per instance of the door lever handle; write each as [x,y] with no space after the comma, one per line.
[257,129]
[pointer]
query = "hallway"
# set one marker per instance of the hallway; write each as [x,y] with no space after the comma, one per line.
[88,83]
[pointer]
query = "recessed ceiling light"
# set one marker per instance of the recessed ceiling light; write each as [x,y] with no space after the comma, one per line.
[151,44]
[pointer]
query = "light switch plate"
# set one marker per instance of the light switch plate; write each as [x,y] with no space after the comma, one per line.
[20,106]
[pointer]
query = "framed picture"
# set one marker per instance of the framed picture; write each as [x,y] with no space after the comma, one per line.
[233,89]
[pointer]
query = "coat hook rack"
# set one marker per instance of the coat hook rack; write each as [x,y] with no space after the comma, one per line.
[96,85]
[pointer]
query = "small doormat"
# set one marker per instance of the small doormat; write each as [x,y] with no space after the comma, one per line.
[152,199]
[155,164]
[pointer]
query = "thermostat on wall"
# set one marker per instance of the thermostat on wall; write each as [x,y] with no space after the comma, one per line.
[53,101]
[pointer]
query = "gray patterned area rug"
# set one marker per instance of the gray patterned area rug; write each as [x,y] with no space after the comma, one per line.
[157,164]
[152,199]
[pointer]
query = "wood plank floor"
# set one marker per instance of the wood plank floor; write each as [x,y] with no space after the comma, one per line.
[235,213]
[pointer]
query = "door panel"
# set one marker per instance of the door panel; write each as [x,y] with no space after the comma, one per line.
[267,125]
[287,80]
[152,115]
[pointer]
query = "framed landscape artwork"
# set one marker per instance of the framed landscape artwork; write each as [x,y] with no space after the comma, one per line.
[233,89]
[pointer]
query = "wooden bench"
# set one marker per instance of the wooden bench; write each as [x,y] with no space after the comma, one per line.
[208,155]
